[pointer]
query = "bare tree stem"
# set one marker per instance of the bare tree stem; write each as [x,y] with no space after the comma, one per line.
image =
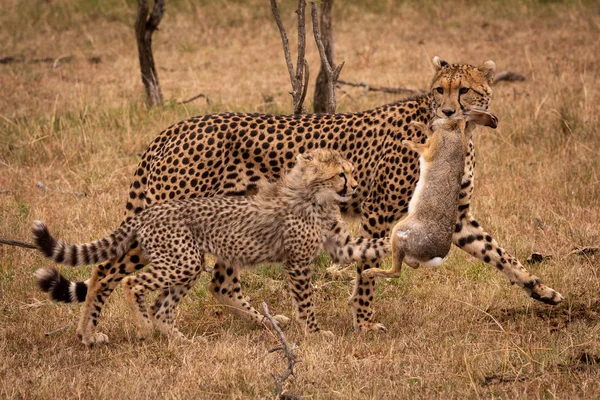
[331,74]
[300,76]
[144,28]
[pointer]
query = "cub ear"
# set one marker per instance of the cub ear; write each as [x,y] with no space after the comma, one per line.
[300,158]
[483,118]
[438,63]
[489,70]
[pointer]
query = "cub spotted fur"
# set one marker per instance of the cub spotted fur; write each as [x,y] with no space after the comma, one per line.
[287,222]
[424,236]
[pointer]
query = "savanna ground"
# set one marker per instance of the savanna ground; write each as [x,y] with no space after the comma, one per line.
[79,125]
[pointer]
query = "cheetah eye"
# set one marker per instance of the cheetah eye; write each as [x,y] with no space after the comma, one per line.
[440,90]
[342,175]
[464,90]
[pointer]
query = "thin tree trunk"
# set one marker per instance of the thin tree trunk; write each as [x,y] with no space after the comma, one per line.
[322,92]
[144,28]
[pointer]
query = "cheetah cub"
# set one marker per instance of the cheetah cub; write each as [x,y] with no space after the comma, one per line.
[424,236]
[289,221]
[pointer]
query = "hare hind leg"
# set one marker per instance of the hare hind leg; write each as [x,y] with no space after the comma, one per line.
[398,252]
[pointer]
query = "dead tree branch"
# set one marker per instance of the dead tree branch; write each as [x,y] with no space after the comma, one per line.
[298,78]
[288,352]
[508,76]
[144,28]
[370,88]
[18,243]
[324,99]
[45,188]
[194,98]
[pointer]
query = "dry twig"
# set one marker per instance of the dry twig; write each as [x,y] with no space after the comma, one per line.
[379,88]
[331,74]
[585,251]
[508,76]
[18,243]
[45,188]
[299,78]
[288,352]
[196,97]
[62,328]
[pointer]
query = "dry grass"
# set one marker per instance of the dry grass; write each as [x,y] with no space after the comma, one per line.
[454,332]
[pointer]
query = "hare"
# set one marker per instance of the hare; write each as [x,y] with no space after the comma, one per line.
[424,236]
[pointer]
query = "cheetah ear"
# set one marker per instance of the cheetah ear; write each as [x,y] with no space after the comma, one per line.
[438,63]
[489,70]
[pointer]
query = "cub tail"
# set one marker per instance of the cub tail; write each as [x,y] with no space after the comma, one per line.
[112,246]
[60,288]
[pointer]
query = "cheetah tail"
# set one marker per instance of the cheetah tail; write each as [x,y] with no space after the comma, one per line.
[112,246]
[51,281]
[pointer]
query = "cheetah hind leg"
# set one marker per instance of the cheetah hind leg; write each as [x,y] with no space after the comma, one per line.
[135,288]
[164,308]
[226,289]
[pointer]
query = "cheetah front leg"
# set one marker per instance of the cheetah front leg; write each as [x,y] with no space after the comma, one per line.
[470,237]
[298,274]
[344,250]
[226,289]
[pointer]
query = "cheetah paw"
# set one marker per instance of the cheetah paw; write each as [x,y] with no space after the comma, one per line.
[282,321]
[95,339]
[545,294]
[337,272]
[327,334]
[373,327]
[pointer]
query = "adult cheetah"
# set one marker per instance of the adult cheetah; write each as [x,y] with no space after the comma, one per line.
[288,221]
[229,154]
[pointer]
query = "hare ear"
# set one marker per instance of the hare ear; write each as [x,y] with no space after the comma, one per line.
[489,70]
[483,118]
[438,63]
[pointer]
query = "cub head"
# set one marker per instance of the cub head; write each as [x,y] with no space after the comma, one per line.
[457,88]
[327,174]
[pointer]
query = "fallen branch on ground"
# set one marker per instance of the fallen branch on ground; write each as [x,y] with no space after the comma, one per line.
[194,98]
[508,76]
[288,352]
[20,59]
[585,251]
[54,332]
[379,88]
[18,243]
[45,188]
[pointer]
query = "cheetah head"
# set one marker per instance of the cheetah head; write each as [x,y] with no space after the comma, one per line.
[327,175]
[457,88]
